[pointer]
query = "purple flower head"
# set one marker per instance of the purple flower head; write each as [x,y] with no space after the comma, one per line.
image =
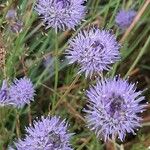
[21,92]
[11,14]
[17,26]
[94,51]
[61,14]
[4,100]
[49,133]
[124,18]
[114,108]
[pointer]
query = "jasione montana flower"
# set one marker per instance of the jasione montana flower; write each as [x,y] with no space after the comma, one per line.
[93,50]
[21,92]
[114,108]
[61,14]
[49,133]
[124,18]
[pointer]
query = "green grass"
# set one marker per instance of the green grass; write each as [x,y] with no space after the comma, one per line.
[27,50]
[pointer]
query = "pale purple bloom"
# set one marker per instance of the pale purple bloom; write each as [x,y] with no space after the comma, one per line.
[61,14]
[11,15]
[113,109]
[49,133]
[21,92]
[124,18]
[49,63]
[17,26]
[4,99]
[94,50]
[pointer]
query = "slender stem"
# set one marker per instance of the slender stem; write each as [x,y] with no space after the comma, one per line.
[4,72]
[121,147]
[1,117]
[111,22]
[67,91]
[56,63]
[131,50]
[128,5]
[29,114]
[92,7]
[17,124]
[138,57]
[85,142]
[114,69]
[41,76]
[107,10]
[34,31]
[13,126]
[96,6]
[114,143]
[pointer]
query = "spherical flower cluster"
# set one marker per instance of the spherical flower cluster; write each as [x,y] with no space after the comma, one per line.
[124,18]
[21,92]
[61,14]
[94,51]
[113,108]
[4,99]
[49,133]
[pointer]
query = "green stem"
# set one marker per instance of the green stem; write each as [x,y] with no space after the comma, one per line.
[41,76]
[62,99]
[56,63]
[133,46]
[114,69]
[29,114]
[94,9]
[113,15]
[17,124]
[14,125]
[138,57]
[34,31]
